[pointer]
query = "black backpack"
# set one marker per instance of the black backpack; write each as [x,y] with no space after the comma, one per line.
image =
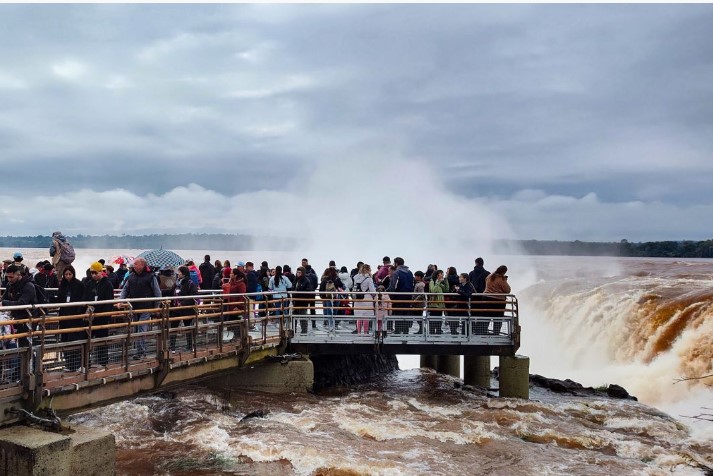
[357,287]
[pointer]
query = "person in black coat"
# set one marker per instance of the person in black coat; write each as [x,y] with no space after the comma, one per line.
[184,287]
[71,290]
[98,288]
[462,306]
[303,302]
[207,271]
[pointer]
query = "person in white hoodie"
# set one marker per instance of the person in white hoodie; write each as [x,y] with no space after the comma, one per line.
[346,278]
[364,300]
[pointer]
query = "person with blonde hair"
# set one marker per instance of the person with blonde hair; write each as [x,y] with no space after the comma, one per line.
[364,298]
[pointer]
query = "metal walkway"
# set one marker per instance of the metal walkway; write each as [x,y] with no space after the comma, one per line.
[45,362]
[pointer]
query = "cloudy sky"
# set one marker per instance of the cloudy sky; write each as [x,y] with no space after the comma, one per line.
[590,122]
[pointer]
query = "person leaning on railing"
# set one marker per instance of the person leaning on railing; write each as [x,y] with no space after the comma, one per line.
[497,283]
[98,288]
[235,285]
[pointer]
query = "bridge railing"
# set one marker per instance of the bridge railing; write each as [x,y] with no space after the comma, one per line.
[52,348]
[44,349]
[347,317]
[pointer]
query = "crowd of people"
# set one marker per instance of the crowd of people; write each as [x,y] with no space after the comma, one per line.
[390,290]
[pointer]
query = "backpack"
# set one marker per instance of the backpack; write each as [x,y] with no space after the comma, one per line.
[258,290]
[66,251]
[357,287]
[40,294]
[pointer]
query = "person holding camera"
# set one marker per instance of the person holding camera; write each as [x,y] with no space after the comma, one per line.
[497,283]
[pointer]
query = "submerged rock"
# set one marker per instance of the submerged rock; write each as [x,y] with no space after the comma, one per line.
[575,388]
[255,414]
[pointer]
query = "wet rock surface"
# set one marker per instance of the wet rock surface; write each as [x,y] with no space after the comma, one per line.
[332,371]
[575,388]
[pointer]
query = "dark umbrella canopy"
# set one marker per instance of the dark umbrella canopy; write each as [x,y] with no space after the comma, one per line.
[159,258]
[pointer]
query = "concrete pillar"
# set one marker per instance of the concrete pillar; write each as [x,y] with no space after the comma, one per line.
[448,364]
[515,377]
[26,451]
[296,376]
[476,370]
[428,362]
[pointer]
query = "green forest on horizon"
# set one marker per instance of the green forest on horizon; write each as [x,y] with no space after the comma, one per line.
[204,241]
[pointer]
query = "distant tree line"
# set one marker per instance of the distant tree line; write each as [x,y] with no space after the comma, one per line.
[205,241]
[191,241]
[652,249]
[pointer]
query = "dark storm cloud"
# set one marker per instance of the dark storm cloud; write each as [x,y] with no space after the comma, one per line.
[569,100]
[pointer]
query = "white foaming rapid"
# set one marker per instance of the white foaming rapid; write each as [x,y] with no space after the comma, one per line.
[643,327]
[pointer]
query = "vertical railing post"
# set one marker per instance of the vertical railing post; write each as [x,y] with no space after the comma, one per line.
[221,327]
[129,319]
[86,355]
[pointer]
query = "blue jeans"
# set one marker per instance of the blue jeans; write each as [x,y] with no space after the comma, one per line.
[141,342]
[329,313]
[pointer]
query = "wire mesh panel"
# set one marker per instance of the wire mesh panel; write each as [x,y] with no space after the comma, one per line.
[12,361]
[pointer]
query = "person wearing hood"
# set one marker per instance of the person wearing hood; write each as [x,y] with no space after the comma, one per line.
[71,289]
[61,252]
[401,282]
[364,299]
[195,273]
[167,281]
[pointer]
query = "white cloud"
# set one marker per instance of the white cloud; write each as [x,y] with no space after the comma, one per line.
[69,69]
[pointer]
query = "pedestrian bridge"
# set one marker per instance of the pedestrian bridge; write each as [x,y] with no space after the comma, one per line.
[42,369]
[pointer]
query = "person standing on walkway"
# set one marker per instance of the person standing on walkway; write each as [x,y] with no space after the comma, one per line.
[364,299]
[98,288]
[401,282]
[497,283]
[207,271]
[61,252]
[141,283]
[71,290]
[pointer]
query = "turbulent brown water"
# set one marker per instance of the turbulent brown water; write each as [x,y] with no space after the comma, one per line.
[413,422]
[641,323]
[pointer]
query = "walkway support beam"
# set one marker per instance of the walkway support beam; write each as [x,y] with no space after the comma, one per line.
[514,376]
[476,370]
[449,365]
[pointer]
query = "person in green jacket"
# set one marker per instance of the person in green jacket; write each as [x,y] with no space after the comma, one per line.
[438,286]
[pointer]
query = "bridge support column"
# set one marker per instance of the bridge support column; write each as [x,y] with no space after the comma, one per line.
[448,364]
[27,451]
[515,376]
[476,370]
[429,362]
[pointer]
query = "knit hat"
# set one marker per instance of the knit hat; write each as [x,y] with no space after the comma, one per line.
[96,266]
[17,255]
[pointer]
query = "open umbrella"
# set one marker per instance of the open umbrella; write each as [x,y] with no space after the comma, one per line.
[122,259]
[160,258]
